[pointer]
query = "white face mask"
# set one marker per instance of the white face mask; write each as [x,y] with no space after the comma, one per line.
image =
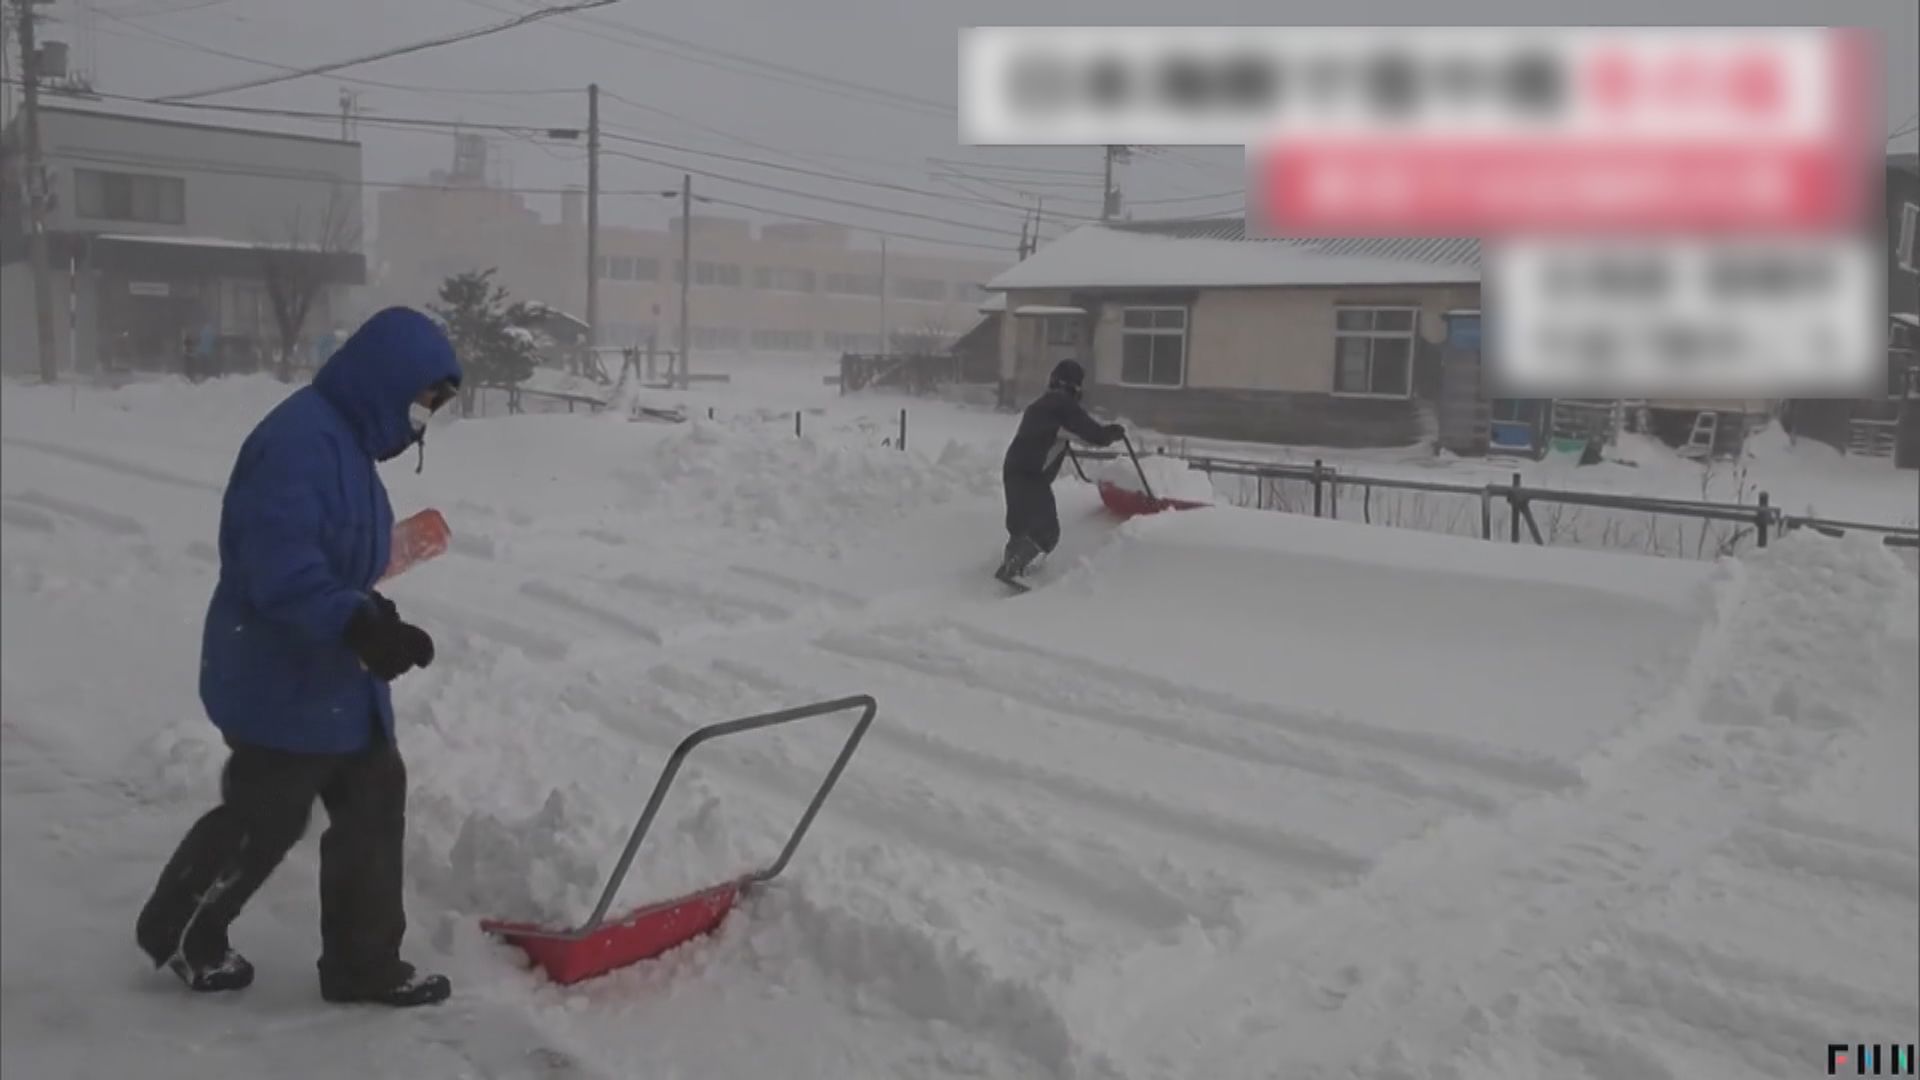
[418,415]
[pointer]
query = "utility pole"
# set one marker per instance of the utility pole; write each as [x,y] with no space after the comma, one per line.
[593,214]
[1110,195]
[886,338]
[36,192]
[686,273]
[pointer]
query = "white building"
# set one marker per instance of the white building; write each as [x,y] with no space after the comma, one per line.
[164,231]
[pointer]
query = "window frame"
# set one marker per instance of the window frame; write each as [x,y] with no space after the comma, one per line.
[157,182]
[1183,333]
[1411,335]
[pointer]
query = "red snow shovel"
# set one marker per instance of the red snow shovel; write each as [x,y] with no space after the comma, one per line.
[600,945]
[423,536]
[1128,503]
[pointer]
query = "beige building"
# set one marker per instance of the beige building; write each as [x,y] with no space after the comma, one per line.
[1194,328]
[784,289]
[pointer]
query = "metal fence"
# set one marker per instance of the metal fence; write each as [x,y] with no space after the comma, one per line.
[1546,516]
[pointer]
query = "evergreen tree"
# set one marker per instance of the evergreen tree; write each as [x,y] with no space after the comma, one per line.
[494,350]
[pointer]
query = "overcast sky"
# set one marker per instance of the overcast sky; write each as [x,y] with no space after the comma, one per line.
[733,104]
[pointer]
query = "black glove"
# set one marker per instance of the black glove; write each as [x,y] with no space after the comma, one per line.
[1114,433]
[388,647]
[387,610]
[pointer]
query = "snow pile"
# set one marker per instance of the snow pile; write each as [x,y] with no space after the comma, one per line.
[764,480]
[550,866]
[1838,624]
[538,869]
[1170,478]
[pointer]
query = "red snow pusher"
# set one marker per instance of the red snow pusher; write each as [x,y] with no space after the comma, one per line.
[601,945]
[1127,503]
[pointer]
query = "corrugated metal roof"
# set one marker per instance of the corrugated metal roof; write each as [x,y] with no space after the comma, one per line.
[1456,251]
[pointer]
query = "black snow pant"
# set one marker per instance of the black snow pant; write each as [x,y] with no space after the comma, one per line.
[266,797]
[1030,509]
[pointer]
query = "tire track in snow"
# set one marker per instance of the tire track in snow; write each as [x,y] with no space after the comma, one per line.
[1848,1006]
[104,520]
[1271,844]
[114,464]
[562,600]
[1769,848]
[1428,750]
[1031,681]
[724,607]
[1119,893]
[845,601]
[455,618]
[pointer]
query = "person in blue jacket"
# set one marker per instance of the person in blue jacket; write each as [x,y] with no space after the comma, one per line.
[296,657]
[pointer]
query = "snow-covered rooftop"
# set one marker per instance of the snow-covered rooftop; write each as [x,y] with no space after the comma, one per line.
[1218,253]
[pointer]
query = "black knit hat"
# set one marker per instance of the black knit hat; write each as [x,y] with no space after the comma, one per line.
[1067,375]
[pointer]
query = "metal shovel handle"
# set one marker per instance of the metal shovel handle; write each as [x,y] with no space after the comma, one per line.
[863,702]
[1145,488]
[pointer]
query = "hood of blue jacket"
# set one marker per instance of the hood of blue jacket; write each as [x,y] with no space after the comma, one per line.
[376,374]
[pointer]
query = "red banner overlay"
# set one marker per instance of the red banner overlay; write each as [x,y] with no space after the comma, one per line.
[1380,187]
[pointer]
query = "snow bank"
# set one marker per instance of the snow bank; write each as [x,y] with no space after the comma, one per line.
[1170,478]
[751,476]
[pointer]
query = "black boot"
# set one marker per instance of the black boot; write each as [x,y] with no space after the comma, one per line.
[414,989]
[230,972]
[1021,551]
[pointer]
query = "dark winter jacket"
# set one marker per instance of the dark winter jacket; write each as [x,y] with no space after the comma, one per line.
[1040,445]
[305,528]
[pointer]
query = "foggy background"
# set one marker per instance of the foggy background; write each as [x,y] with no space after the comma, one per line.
[860,89]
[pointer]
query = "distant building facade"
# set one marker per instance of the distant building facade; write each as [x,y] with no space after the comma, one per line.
[777,290]
[162,233]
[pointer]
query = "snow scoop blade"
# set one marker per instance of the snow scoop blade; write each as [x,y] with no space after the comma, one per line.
[644,934]
[1128,503]
[417,539]
[601,945]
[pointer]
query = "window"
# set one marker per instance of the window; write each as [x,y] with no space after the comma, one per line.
[853,343]
[715,337]
[854,284]
[708,273]
[1153,346]
[112,196]
[1063,329]
[1909,224]
[783,278]
[914,288]
[783,340]
[632,268]
[1373,351]
[626,334]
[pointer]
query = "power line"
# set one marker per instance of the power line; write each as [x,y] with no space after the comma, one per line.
[137,31]
[400,50]
[741,64]
[267,173]
[889,233]
[857,205]
[332,117]
[883,185]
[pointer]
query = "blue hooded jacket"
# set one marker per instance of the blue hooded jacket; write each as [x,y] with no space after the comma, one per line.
[305,532]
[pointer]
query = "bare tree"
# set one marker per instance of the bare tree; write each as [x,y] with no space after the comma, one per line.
[298,265]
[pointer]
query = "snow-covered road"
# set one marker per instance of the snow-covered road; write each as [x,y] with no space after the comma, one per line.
[1232,794]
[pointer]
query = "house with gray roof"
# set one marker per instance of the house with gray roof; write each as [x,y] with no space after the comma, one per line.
[1197,328]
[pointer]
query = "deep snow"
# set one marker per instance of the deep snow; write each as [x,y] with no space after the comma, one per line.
[1231,794]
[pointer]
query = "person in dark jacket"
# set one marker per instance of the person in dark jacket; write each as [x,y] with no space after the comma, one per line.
[296,656]
[1033,462]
